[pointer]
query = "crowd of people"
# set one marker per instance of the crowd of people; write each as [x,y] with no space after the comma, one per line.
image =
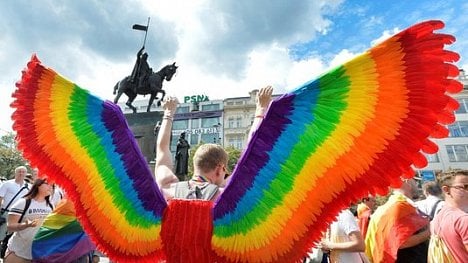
[26,201]
[406,228]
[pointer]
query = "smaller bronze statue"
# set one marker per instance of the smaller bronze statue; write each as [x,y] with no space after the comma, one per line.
[182,157]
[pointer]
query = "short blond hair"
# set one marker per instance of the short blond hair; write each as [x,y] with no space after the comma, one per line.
[448,177]
[209,156]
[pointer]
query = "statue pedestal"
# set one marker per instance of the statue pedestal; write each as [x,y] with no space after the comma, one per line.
[142,125]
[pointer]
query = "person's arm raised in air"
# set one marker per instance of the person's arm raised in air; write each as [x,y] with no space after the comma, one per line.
[140,51]
[163,168]
[263,101]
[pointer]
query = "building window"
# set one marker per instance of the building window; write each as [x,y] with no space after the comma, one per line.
[210,107]
[194,139]
[457,153]
[210,122]
[235,122]
[463,105]
[432,158]
[174,142]
[195,123]
[180,125]
[184,109]
[459,129]
[231,122]
[236,142]
[239,122]
[209,138]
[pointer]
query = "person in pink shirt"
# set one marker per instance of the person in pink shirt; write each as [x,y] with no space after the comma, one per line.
[451,223]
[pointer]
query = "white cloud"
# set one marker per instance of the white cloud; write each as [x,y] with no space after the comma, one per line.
[224,48]
[304,71]
[385,35]
[342,57]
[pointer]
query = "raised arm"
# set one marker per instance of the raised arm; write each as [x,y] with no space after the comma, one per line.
[163,168]
[263,101]
[140,51]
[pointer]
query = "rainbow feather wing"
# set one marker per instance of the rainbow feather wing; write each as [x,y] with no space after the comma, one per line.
[85,145]
[354,130]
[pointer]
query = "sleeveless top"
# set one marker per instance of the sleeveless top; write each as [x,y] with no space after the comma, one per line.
[205,191]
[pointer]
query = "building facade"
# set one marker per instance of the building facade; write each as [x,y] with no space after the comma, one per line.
[238,117]
[227,122]
[199,117]
[453,151]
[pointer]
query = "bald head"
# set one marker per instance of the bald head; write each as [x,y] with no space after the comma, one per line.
[409,188]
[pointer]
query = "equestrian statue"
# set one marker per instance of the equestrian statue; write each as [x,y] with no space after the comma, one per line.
[143,80]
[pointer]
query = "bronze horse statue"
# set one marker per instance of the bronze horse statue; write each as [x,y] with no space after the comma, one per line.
[153,86]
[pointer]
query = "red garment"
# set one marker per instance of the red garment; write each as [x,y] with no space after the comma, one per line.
[188,240]
[390,226]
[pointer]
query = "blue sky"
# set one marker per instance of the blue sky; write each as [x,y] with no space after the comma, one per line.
[357,23]
[225,48]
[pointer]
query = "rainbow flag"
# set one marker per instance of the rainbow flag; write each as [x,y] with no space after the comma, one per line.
[390,226]
[61,238]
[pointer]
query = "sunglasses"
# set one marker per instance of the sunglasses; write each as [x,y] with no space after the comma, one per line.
[460,187]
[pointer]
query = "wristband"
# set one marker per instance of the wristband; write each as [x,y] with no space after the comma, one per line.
[168,117]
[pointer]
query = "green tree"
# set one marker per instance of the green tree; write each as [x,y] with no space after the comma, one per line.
[192,151]
[234,155]
[10,156]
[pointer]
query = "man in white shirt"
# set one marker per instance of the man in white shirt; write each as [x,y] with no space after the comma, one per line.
[345,242]
[433,203]
[10,192]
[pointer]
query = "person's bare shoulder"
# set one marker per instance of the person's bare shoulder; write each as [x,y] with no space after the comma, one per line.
[218,193]
[169,192]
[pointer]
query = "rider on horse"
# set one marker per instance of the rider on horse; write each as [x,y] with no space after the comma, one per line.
[141,70]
